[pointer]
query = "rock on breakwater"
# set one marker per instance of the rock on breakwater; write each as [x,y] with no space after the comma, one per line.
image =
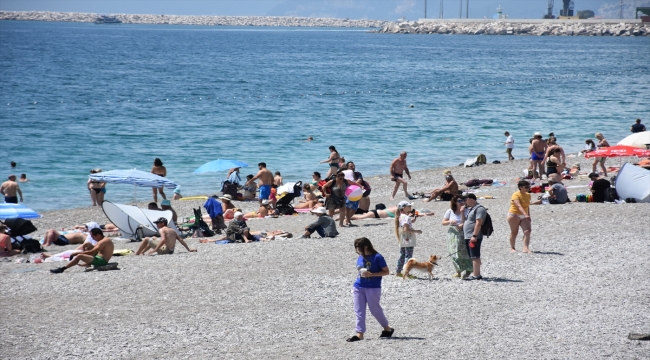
[519,28]
[194,20]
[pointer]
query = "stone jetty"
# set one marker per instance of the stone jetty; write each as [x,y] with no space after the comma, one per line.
[193,20]
[520,27]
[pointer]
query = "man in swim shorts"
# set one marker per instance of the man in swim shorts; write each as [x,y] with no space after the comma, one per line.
[53,236]
[537,153]
[9,189]
[446,192]
[167,242]
[397,169]
[99,255]
[265,178]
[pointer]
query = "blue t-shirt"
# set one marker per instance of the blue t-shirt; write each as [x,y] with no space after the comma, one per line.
[374,263]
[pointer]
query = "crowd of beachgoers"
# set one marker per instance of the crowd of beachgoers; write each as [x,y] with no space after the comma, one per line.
[339,200]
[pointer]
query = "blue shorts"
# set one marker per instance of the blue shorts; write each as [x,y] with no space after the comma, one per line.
[61,241]
[354,205]
[265,192]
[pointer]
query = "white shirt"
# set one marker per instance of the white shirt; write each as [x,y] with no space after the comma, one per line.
[406,239]
[349,175]
[450,215]
[510,142]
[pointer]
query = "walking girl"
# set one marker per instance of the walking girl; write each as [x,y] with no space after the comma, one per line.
[367,288]
[405,234]
[454,218]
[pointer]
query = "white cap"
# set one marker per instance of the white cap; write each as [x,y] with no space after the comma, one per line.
[403,204]
[238,214]
[320,210]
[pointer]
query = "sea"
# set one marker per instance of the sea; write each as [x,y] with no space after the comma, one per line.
[77,96]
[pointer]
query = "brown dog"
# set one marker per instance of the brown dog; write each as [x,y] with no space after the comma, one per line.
[422,266]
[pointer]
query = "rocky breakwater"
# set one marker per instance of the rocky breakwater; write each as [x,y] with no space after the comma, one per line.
[519,28]
[194,20]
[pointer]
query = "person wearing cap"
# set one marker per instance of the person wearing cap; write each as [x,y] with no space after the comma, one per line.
[177,193]
[446,192]
[238,230]
[167,242]
[510,144]
[405,234]
[473,236]
[599,187]
[325,226]
[637,127]
[537,151]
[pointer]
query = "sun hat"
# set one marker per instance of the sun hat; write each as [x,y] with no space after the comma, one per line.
[161,220]
[265,202]
[403,204]
[166,202]
[177,190]
[319,210]
[537,134]
[238,214]
[226,197]
[446,172]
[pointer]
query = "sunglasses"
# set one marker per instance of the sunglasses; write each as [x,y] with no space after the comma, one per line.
[460,200]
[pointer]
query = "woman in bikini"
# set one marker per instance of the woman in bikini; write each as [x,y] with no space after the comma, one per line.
[519,215]
[553,163]
[96,189]
[333,161]
[602,143]
[310,198]
[159,170]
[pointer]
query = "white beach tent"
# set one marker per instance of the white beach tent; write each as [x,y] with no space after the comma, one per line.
[633,182]
[127,218]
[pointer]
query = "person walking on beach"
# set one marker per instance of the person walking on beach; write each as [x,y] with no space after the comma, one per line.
[519,215]
[454,217]
[159,170]
[265,178]
[637,127]
[99,255]
[333,161]
[334,191]
[10,189]
[397,169]
[405,234]
[473,236]
[367,288]
[537,151]
[510,144]
[602,143]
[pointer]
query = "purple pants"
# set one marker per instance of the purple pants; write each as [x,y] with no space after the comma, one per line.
[370,296]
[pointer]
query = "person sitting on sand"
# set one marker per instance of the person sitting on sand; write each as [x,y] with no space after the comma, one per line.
[447,191]
[325,226]
[557,193]
[177,193]
[99,255]
[167,242]
[227,206]
[5,243]
[250,190]
[310,199]
[599,187]
[238,230]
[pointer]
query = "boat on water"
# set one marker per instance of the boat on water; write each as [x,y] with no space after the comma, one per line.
[107,19]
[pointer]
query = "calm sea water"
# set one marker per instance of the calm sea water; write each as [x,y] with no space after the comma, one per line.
[80,96]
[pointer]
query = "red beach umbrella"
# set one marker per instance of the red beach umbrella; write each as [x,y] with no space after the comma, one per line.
[618,151]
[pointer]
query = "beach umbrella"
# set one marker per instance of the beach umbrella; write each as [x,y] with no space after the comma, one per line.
[219,165]
[618,151]
[639,140]
[8,211]
[134,177]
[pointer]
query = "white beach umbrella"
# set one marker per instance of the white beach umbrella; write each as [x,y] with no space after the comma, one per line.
[640,140]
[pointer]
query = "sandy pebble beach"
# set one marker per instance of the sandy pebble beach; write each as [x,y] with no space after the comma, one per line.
[578,295]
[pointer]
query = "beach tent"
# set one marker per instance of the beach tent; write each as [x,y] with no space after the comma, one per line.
[127,218]
[633,182]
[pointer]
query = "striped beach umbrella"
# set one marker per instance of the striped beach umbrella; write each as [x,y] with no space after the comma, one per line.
[133,177]
[8,211]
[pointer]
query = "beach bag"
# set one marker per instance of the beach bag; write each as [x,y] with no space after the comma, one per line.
[611,195]
[31,246]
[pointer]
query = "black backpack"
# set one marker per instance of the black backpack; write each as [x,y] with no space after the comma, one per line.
[31,246]
[486,227]
[611,195]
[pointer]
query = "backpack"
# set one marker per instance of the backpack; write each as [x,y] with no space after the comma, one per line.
[486,227]
[611,195]
[31,246]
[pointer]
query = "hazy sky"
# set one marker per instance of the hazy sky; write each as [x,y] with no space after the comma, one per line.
[354,9]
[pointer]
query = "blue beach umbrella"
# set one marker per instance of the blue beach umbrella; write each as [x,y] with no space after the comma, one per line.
[219,165]
[8,211]
[134,177]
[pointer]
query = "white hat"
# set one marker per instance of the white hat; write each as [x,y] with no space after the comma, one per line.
[320,210]
[238,214]
[537,134]
[265,202]
[226,197]
[403,204]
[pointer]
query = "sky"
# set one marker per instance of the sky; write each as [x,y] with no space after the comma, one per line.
[353,9]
